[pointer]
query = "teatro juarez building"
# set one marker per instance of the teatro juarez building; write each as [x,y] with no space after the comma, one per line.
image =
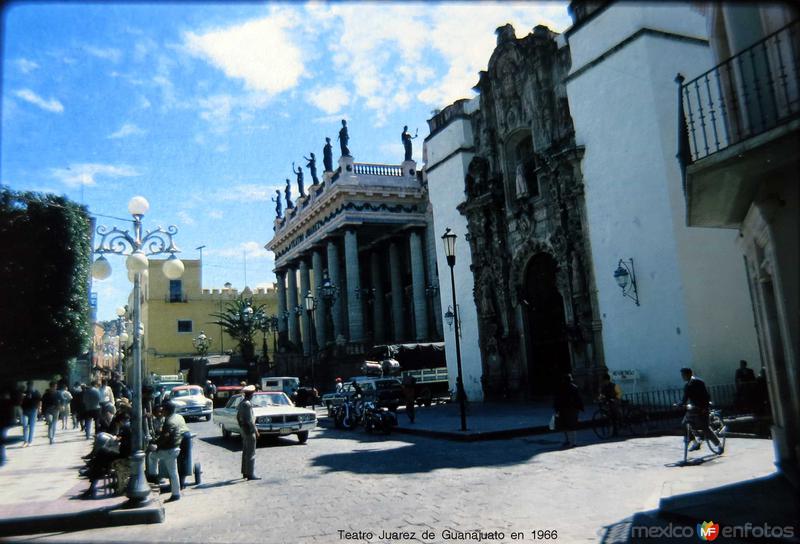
[361,242]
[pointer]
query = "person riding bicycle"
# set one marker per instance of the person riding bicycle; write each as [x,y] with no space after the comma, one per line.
[697,402]
[611,395]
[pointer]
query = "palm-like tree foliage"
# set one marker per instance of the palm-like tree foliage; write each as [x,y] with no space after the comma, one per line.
[241,324]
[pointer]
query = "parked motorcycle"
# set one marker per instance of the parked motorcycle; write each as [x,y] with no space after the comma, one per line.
[378,419]
[348,414]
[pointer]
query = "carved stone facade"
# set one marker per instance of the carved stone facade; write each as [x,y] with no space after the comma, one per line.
[526,224]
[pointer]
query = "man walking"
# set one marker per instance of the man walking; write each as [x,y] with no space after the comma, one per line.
[31,402]
[168,446]
[91,408]
[50,408]
[247,424]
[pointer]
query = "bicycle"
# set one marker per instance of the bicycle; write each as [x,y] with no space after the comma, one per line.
[715,424]
[607,421]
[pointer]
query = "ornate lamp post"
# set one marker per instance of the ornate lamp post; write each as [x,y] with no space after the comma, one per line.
[328,292]
[201,343]
[449,239]
[311,304]
[122,327]
[137,246]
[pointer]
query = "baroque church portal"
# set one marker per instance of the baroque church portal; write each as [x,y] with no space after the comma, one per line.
[526,224]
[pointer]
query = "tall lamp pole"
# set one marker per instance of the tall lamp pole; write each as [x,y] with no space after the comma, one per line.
[137,247]
[449,239]
[311,304]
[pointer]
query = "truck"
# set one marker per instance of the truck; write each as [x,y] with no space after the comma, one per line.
[425,362]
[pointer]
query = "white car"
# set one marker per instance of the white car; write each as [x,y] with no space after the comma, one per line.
[191,401]
[275,416]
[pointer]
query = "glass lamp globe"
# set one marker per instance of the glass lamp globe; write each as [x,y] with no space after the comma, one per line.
[120,311]
[101,268]
[137,261]
[123,337]
[138,205]
[173,268]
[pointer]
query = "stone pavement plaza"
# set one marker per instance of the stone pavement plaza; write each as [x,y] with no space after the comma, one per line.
[356,483]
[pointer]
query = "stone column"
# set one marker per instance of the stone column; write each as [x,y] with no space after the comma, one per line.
[320,311]
[291,303]
[280,276]
[333,274]
[397,292]
[418,286]
[378,300]
[355,317]
[305,324]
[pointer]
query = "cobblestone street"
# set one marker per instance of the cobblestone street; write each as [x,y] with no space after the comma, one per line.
[360,484]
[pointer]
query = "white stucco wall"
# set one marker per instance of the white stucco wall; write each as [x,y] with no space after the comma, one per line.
[694,301]
[446,191]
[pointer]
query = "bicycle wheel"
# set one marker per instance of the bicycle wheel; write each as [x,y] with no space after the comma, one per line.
[717,427]
[601,423]
[637,421]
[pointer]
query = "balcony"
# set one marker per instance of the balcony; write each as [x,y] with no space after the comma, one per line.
[738,127]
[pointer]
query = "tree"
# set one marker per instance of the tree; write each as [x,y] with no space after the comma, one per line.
[45,258]
[241,320]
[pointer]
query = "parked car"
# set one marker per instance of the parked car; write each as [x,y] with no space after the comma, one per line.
[275,416]
[288,385]
[191,402]
[384,392]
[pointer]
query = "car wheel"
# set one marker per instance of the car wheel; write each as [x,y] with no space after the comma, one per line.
[208,417]
[225,432]
[302,437]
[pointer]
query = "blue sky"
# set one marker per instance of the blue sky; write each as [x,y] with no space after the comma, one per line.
[202,108]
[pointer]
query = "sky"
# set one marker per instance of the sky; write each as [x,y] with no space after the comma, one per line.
[202,108]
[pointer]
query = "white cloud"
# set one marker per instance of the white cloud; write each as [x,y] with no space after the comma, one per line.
[128,129]
[28,95]
[215,214]
[185,218]
[247,193]
[259,52]
[329,99]
[76,175]
[252,250]
[26,66]
[108,53]
[144,103]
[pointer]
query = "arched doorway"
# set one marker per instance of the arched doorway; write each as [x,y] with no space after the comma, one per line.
[545,326]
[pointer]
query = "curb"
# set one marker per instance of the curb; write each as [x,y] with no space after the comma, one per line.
[96,518]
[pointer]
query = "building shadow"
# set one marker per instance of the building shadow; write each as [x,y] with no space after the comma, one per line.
[759,510]
[235,442]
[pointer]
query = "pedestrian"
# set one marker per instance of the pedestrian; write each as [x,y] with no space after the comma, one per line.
[51,402]
[76,406]
[745,380]
[106,393]
[611,395]
[566,404]
[6,420]
[64,402]
[91,408]
[409,392]
[247,424]
[168,447]
[31,403]
[16,399]
[210,389]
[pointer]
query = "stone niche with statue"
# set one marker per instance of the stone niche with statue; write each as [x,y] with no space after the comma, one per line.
[526,224]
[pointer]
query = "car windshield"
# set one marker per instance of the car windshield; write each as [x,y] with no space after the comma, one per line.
[176,393]
[386,384]
[270,399]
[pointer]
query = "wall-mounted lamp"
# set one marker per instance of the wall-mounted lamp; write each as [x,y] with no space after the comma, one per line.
[625,274]
[449,316]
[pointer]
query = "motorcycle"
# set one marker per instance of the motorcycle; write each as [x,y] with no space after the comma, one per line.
[378,419]
[348,414]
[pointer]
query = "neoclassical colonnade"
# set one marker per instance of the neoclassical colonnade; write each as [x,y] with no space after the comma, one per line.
[374,303]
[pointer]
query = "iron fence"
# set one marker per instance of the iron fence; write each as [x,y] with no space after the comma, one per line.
[659,404]
[746,95]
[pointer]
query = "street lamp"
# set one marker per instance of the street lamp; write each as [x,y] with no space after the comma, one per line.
[449,239]
[137,247]
[311,304]
[329,293]
[624,274]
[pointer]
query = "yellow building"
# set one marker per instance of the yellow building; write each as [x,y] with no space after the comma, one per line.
[174,312]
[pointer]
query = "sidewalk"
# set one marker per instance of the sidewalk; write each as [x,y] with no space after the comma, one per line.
[485,420]
[40,488]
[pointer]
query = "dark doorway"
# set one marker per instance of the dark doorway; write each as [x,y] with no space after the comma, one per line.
[545,330]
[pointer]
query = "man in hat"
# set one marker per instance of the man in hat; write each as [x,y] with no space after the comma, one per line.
[168,447]
[247,424]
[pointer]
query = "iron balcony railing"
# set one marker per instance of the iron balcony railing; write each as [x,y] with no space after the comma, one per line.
[750,93]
